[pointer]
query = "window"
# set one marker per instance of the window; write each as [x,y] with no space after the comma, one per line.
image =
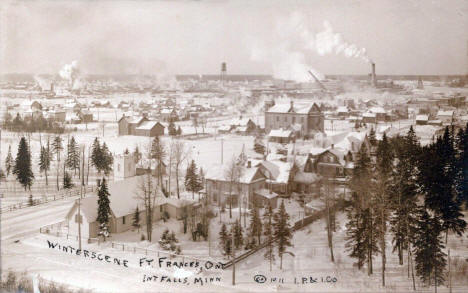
[123,220]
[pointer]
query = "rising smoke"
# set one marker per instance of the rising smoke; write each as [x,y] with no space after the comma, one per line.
[294,40]
[71,73]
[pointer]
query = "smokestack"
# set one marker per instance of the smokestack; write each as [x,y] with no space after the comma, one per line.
[373,77]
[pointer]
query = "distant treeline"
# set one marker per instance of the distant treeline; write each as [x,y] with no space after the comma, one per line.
[30,124]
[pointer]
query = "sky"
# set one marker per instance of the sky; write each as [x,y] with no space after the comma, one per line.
[282,38]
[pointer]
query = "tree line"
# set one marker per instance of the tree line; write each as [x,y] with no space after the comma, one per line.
[415,195]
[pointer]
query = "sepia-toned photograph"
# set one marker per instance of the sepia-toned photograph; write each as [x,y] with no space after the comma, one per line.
[233,146]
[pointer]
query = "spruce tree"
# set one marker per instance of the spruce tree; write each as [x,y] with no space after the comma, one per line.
[57,148]
[73,155]
[255,225]
[428,249]
[103,209]
[372,139]
[137,155]
[383,179]
[45,158]
[192,182]
[67,181]
[96,155]
[282,230]
[158,153]
[136,219]
[224,240]
[179,131]
[238,235]
[172,129]
[462,165]
[9,163]
[269,234]
[22,168]
[106,159]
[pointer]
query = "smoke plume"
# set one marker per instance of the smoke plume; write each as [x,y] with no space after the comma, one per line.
[293,41]
[71,73]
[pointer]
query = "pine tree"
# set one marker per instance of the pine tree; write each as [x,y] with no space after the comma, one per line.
[30,200]
[106,159]
[361,234]
[9,161]
[136,219]
[172,130]
[103,209]
[384,171]
[238,237]
[462,165]
[126,152]
[96,155]
[404,186]
[179,131]
[282,232]
[73,155]
[192,182]
[255,225]
[224,240]
[158,153]
[57,148]
[429,257]
[137,155]
[269,234]
[22,168]
[67,181]
[372,139]
[45,158]
[201,178]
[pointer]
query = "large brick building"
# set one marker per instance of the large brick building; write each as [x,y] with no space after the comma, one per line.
[304,118]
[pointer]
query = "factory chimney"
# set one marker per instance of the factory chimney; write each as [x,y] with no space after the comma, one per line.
[373,77]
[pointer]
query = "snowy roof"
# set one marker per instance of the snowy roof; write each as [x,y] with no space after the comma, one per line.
[306,177]
[300,108]
[218,173]
[266,193]
[224,128]
[369,115]
[342,109]
[422,118]
[166,111]
[280,133]
[174,201]
[147,125]
[136,120]
[239,122]
[278,170]
[445,113]
[241,128]
[378,110]
[316,151]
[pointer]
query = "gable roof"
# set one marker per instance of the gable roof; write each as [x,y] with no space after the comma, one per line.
[280,133]
[147,125]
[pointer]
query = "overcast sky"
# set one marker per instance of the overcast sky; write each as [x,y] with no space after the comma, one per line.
[263,37]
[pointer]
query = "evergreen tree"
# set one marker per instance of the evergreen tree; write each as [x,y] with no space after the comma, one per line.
[201,178]
[192,182]
[462,165]
[282,232]
[238,237]
[384,172]
[404,186]
[136,219]
[179,131]
[126,152]
[9,163]
[22,168]
[362,234]
[269,234]
[158,153]
[67,181]
[106,159]
[372,139]
[224,240]
[255,225]
[73,155]
[96,155]
[103,209]
[172,130]
[429,257]
[45,158]
[57,148]
[137,155]
[30,200]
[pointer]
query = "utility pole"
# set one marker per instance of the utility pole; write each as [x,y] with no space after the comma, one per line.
[222,150]
[79,223]
[233,260]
